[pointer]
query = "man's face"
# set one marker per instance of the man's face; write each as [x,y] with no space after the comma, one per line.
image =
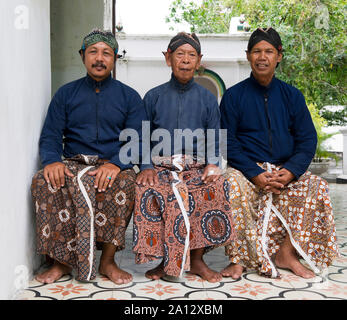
[183,62]
[99,60]
[263,59]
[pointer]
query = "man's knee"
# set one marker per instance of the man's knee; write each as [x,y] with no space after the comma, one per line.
[235,178]
[318,180]
[127,175]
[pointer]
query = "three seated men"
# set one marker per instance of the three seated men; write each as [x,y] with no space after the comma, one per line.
[267,209]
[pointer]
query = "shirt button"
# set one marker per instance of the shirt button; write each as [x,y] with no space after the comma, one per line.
[97,90]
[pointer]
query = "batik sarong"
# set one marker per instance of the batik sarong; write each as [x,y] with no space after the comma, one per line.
[263,219]
[71,221]
[180,202]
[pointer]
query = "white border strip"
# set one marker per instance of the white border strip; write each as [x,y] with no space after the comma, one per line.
[91,213]
[270,207]
[295,245]
[176,159]
[263,236]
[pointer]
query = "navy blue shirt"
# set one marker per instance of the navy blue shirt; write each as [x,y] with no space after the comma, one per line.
[174,105]
[267,124]
[86,117]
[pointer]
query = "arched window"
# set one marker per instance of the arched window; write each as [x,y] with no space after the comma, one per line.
[211,81]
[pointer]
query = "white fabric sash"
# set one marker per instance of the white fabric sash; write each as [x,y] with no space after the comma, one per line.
[177,160]
[91,213]
[270,207]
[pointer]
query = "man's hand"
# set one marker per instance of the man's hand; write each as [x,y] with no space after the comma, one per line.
[104,176]
[268,181]
[54,174]
[211,173]
[284,176]
[147,176]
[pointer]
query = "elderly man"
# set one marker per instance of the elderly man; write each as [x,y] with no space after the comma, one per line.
[281,211]
[181,210]
[86,199]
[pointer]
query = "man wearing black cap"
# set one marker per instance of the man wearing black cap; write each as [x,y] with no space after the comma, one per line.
[181,210]
[281,211]
[84,195]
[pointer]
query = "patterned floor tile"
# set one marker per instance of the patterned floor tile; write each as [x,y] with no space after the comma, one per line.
[128,294]
[244,289]
[340,262]
[303,295]
[327,288]
[292,294]
[73,289]
[29,294]
[219,295]
[190,295]
[284,282]
[151,290]
[339,276]
[92,295]
[164,290]
[57,291]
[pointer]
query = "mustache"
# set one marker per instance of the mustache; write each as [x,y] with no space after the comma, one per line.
[99,64]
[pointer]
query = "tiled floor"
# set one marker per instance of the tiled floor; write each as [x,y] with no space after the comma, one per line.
[331,284]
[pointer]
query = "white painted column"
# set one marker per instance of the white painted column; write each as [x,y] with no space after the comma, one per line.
[344,134]
[25,84]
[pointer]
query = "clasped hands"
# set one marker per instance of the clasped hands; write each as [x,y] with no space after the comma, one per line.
[105,175]
[150,177]
[273,181]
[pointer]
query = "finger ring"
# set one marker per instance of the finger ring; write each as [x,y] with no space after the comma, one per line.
[109,178]
[210,173]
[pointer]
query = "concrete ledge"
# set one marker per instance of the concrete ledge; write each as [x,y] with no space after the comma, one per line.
[341,179]
[241,36]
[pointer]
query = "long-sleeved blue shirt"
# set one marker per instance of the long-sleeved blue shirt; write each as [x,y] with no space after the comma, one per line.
[174,105]
[86,117]
[267,124]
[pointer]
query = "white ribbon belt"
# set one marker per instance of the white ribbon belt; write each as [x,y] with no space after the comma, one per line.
[91,213]
[269,207]
[177,163]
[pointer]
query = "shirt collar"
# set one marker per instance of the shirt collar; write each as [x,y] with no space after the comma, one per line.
[261,87]
[98,84]
[181,86]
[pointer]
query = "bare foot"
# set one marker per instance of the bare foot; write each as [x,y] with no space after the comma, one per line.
[232,270]
[293,264]
[54,273]
[286,258]
[199,267]
[156,273]
[109,269]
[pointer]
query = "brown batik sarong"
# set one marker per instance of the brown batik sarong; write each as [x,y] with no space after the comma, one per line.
[180,202]
[262,220]
[70,221]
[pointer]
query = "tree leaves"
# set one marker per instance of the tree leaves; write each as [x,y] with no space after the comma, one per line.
[313,36]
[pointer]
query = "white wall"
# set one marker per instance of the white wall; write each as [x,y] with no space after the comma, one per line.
[144,65]
[71,20]
[25,93]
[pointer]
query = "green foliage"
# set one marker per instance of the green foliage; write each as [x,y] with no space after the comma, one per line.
[212,16]
[313,35]
[314,40]
[319,123]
